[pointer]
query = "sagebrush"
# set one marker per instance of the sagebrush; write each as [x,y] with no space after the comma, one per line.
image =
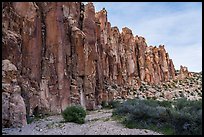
[179,117]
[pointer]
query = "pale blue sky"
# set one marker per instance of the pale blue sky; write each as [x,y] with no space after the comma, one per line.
[177,25]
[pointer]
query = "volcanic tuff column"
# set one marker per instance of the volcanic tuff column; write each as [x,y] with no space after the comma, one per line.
[91,55]
[66,53]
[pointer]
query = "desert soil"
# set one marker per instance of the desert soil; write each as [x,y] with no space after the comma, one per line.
[97,122]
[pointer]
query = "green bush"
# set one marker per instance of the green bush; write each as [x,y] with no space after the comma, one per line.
[110,104]
[185,118]
[104,104]
[114,103]
[75,114]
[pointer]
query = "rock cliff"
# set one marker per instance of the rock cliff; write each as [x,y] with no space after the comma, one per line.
[60,53]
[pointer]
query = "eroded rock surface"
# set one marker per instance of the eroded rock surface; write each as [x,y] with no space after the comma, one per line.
[13,105]
[67,53]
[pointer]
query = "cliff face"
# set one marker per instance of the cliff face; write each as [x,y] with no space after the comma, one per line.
[65,52]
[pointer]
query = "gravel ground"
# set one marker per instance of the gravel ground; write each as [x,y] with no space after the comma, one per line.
[96,123]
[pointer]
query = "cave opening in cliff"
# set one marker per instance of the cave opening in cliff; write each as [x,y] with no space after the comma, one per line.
[36,111]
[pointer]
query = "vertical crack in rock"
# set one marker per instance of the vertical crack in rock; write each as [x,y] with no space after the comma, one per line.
[43,33]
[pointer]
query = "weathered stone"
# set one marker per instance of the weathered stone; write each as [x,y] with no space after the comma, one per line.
[66,53]
[9,72]
[13,106]
[17,111]
[168,95]
[6,122]
[183,73]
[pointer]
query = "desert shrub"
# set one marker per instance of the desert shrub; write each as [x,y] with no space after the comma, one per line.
[185,118]
[167,104]
[104,104]
[114,103]
[182,103]
[29,119]
[110,104]
[75,113]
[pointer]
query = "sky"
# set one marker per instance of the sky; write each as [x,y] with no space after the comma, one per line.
[177,25]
